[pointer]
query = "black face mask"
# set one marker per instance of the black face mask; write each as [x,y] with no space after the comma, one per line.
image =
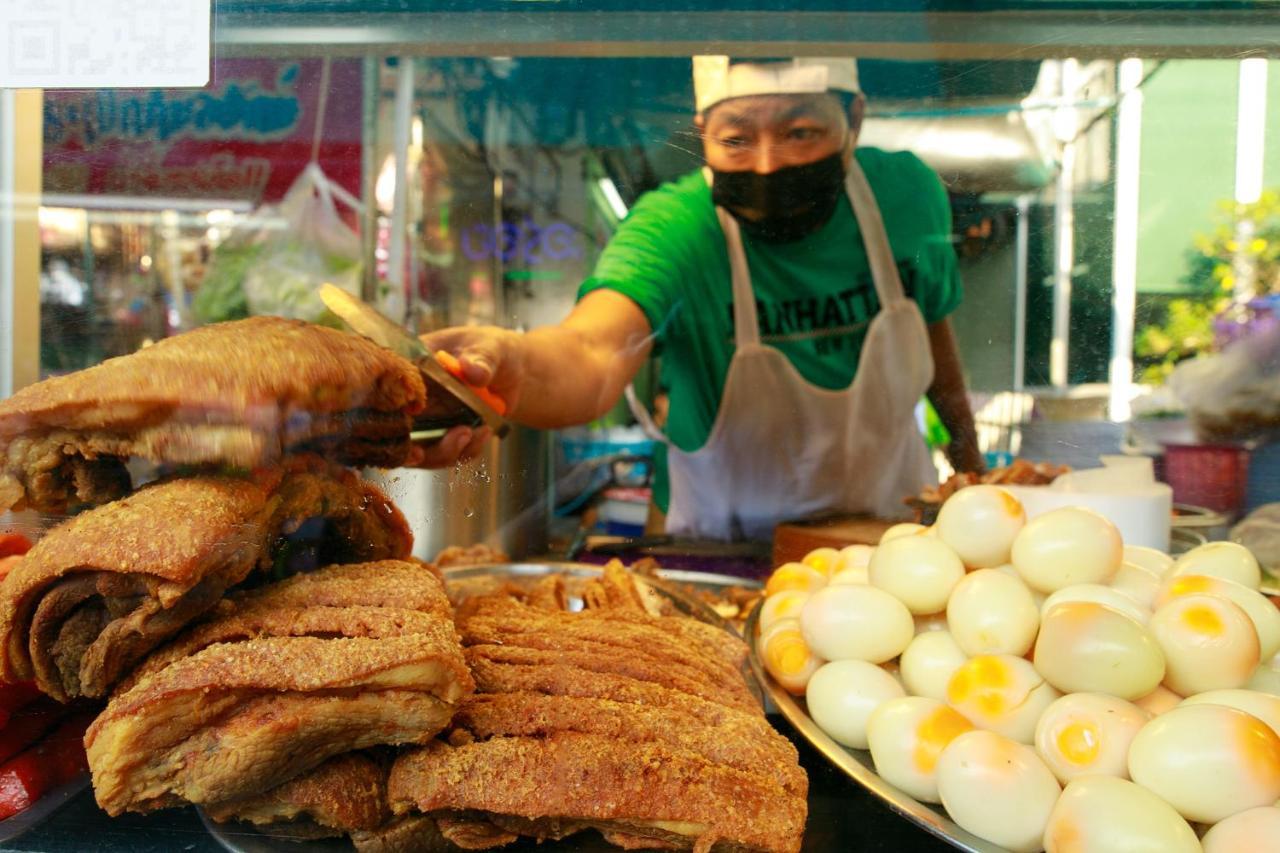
[790,203]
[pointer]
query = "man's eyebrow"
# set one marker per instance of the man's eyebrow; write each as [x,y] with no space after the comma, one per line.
[802,109]
[733,117]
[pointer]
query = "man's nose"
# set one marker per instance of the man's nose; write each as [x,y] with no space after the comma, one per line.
[766,159]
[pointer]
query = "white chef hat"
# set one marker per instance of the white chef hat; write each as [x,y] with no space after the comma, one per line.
[718,78]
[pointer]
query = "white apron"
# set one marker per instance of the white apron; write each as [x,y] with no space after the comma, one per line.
[782,448]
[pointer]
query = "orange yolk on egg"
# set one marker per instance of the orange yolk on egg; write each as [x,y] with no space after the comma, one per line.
[933,734]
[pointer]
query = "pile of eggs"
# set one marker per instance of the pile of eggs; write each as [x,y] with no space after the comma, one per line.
[1050,686]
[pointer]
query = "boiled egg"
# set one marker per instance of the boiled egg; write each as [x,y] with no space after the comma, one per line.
[929,662]
[1265,679]
[1250,830]
[906,528]
[782,605]
[1136,583]
[1207,761]
[1085,734]
[842,695]
[1106,813]
[1157,562]
[824,560]
[1087,647]
[1264,615]
[1001,693]
[1226,560]
[979,523]
[853,557]
[919,571]
[852,575]
[1264,706]
[906,735]
[997,789]
[1209,643]
[856,622]
[1066,546]
[932,622]
[795,576]
[991,612]
[1100,594]
[787,657]
[1159,701]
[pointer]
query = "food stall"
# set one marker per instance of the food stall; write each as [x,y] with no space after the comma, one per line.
[395,169]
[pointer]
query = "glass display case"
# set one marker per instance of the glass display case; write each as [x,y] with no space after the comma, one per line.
[1107,182]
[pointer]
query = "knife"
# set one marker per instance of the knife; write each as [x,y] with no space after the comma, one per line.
[464,405]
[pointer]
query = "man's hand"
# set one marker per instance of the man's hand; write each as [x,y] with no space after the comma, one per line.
[551,377]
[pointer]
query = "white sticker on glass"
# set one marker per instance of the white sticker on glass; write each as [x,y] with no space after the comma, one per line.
[90,44]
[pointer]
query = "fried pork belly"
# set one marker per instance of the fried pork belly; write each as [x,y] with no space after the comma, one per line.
[422,834]
[239,394]
[103,589]
[347,793]
[636,788]
[638,726]
[251,711]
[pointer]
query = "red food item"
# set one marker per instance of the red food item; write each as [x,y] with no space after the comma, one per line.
[15,696]
[29,725]
[54,761]
[14,544]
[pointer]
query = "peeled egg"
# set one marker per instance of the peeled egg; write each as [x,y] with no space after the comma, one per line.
[853,557]
[1085,734]
[979,523]
[906,528]
[782,605]
[1106,813]
[843,694]
[1157,562]
[1137,584]
[1264,706]
[1264,615]
[1066,546]
[1209,643]
[997,789]
[795,576]
[1250,830]
[787,657]
[1086,647]
[1101,595]
[1001,693]
[1159,701]
[906,735]
[919,571]
[853,575]
[991,612]
[1207,761]
[856,622]
[1221,560]
[929,662]
[1264,680]
[824,560]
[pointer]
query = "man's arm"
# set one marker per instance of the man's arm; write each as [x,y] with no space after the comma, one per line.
[561,375]
[947,393]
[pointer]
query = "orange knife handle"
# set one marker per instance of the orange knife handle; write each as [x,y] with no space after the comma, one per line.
[450,363]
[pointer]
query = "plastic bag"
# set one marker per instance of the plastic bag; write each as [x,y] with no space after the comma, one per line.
[1260,533]
[1234,394]
[313,248]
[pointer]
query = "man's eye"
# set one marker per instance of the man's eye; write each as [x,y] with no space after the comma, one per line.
[733,141]
[804,134]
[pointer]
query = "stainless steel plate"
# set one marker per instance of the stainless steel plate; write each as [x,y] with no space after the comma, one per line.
[463,581]
[857,764]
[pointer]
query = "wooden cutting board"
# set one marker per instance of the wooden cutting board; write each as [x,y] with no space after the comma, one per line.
[793,540]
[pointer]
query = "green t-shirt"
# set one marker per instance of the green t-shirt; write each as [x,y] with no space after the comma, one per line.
[815,297]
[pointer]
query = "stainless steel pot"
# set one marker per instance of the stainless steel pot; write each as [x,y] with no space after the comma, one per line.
[500,499]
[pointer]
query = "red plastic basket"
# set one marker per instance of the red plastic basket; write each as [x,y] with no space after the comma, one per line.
[1214,476]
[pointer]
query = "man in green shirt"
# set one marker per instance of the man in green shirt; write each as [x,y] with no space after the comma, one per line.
[774,411]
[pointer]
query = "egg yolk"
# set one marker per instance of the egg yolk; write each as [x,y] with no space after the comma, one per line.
[821,562]
[984,679]
[1012,505]
[1202,620]
[1188,584]
[792,576]
[1259,745]
[1078,743]
[933,734]
[786,653]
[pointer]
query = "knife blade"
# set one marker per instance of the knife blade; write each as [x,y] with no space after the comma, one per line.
[365,320]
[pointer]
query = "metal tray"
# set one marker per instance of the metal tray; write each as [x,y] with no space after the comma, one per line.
[857,763]
[461,581]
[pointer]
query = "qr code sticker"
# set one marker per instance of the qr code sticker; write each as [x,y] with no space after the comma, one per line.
[104,43]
